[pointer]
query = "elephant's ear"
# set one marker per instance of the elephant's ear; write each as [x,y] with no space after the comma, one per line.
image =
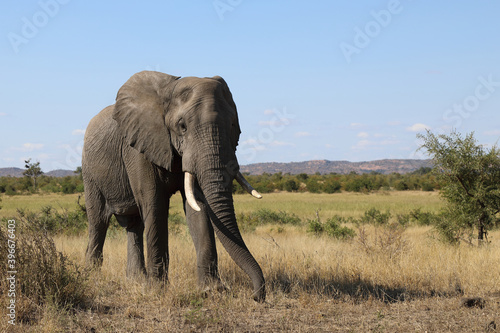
[236,131]
[140,109]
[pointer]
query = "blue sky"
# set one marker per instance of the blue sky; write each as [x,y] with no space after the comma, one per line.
[337,80]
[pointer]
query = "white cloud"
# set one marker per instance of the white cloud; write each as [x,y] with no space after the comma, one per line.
[78,132]
[271,123]
[29,147]
[249,142]
[302,134]
[282,143]
[269,111]
[3,114]
[356,125]
[362,144]
[492,133]
[418,127]
[363,135]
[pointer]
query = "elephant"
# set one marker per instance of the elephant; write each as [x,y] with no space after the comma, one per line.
[166,134]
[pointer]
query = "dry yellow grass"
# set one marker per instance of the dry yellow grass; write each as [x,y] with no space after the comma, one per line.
[314,284]
[408,282]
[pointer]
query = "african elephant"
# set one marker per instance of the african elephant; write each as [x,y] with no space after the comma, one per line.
[166,134]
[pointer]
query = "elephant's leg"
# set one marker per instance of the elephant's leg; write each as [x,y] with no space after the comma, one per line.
[135,244]
[151,189]
[203,236]
[98,219]
[156,228]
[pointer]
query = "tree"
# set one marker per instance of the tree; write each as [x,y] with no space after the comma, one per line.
[290,185]
[32,171]
[332,185]
[470,175]
[78,171]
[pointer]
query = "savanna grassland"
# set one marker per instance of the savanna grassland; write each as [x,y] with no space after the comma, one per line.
[384,279]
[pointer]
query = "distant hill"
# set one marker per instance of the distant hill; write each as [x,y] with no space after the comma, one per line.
[309,167]
[18,172]
[13,172]
[341,167]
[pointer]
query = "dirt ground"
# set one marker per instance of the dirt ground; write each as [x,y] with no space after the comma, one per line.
[237,313]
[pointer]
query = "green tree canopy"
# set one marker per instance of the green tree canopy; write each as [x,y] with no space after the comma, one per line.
[470,176]
[32,171]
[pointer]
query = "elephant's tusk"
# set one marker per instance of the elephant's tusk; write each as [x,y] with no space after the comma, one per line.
[189,190]
[246,185]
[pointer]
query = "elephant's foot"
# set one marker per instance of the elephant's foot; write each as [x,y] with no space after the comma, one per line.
[93,258]
[213,284]
[136,273]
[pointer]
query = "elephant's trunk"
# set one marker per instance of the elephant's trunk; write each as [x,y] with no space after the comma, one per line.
[215,180]
[220,202]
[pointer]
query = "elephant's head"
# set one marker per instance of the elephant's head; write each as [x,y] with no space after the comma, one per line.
[167,117]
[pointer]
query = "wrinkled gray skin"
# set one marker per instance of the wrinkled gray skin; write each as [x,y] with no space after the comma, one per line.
[134,158]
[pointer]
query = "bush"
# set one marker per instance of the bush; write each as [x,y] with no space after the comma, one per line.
[423,218]
[332,186]
[176,221]
[252,220]
[44,275]
[453,227]
[402,186]
[290,185]
[374,216]
[403,219]
[51,221]
[315,227]
[313,186]
[428,187]
[332,228]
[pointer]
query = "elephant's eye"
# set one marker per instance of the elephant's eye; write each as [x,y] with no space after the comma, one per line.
[182,126]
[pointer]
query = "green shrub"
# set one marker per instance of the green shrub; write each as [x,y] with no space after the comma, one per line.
[428,187]
[423,218]
[374,216]
[290,185]
[315,227]
[332,186]
[453,226]
[403,219]
[313,186]
[176,222]
[50,220]
[250,221]
[334,228]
